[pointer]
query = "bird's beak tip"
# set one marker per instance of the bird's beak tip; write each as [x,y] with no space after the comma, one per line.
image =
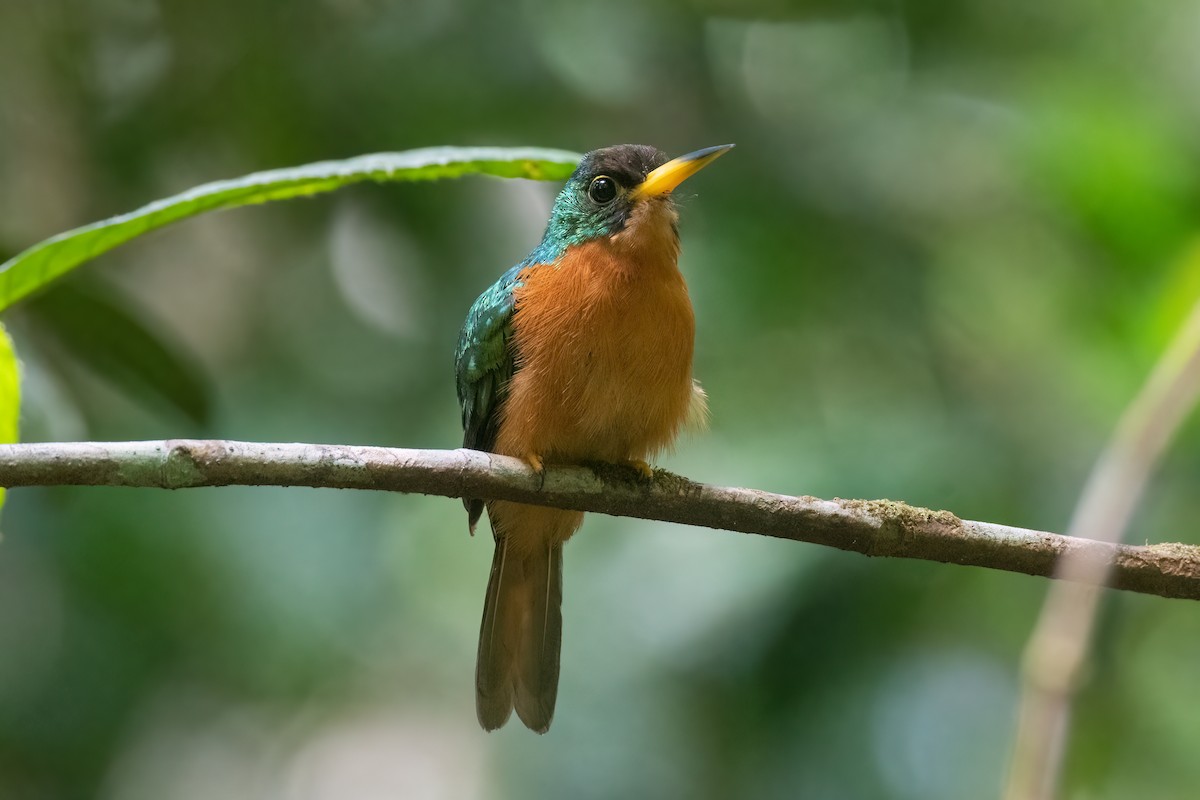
[663,179]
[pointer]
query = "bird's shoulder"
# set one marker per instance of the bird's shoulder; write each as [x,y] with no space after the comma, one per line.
[485,360]
[483,338]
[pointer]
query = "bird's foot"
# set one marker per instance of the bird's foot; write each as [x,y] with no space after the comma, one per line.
[535,463]
[644,470]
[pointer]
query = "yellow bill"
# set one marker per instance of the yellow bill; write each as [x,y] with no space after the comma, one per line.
[662,180]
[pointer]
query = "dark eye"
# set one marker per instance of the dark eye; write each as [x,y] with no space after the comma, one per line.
[602,190]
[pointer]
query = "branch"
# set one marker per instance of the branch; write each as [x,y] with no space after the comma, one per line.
[870,527]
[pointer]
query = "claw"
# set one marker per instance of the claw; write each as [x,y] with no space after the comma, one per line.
[641,467]
[535,463]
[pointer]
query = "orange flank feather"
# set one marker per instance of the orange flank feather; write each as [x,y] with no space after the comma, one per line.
[604,343]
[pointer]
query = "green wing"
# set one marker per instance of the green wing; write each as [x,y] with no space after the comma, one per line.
[483,366]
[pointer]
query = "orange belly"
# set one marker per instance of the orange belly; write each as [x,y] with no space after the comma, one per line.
[604,352]
[604,368]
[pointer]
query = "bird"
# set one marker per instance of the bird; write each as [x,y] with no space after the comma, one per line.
[580,353]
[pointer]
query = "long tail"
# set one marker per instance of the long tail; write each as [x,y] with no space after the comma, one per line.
[520,638]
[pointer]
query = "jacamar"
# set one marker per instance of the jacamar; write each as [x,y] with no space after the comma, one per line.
[581,352]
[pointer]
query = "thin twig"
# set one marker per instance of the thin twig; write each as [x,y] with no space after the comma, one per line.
[1057,650]
[870,527]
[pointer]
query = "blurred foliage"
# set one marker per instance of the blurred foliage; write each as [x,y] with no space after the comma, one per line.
[950,245]
[85,322]
[102,332]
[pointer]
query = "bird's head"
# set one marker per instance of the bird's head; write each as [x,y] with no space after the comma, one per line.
[624,189]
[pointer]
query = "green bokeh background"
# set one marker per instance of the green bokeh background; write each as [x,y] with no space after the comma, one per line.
[950,245]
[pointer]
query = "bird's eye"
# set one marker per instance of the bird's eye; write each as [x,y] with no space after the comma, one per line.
[602,190]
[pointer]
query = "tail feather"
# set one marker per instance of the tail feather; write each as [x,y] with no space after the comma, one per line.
[498,640]
[538,657]
[520,638]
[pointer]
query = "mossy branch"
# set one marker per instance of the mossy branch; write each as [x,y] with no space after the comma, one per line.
[870,527]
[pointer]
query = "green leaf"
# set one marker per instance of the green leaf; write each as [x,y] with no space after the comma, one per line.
[46,261]
[10,393]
